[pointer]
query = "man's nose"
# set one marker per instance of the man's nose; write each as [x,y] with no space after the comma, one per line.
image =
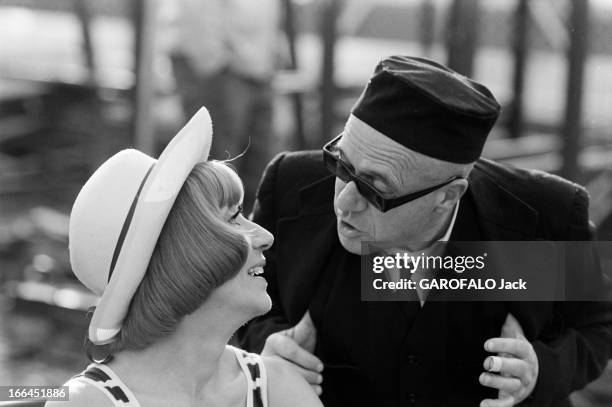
[350,200]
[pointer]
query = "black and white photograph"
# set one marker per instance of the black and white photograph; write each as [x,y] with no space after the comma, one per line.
[305,203]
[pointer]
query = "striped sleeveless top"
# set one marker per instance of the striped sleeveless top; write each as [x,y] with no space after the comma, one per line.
[106,380]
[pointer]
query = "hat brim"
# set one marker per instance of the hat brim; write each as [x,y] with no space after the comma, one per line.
[150,210]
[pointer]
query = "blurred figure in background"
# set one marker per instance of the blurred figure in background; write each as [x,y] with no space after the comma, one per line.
[224,54]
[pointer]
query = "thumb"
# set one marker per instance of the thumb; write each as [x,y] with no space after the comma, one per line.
[305,332]
[305,326]
[512,328]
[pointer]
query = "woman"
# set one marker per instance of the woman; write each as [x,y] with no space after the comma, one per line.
[165,245]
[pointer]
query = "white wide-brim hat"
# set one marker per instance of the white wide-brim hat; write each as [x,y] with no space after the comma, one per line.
[118,215]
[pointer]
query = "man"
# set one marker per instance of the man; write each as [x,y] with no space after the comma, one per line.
[407,168]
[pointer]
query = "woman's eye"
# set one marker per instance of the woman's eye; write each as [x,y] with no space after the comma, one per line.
[234,219]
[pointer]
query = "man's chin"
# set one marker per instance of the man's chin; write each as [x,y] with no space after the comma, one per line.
[350,245]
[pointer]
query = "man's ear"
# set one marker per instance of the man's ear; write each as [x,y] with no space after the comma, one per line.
[451,194]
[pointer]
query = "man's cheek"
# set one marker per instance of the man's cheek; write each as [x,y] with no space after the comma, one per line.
[385,227]
[337,189]
[369,224]
[338,185]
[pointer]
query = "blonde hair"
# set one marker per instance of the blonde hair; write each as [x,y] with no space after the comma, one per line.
[196,252]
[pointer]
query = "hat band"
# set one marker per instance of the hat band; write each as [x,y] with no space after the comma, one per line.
[126,223]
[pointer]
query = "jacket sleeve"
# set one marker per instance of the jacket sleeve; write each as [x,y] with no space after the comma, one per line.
[578,355]
[253,335]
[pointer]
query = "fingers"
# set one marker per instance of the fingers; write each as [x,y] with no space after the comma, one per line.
[313,378]
[507,384]
[284,346]
[493,364]
[508,366]
[517,347]
[516,363]
[502,402]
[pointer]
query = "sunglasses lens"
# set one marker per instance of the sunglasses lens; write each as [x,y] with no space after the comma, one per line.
[336,168]
[342,172]
[368,193]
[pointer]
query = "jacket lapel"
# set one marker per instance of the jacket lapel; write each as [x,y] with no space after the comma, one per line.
[314,231]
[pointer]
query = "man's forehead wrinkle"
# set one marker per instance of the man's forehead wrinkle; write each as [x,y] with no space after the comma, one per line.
[376,155]
[407,167]
[404,169]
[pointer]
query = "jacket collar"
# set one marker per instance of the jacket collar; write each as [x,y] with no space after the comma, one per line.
[317,198]
[310,236]
[501,214]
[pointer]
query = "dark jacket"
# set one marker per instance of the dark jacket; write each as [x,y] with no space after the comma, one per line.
[393,354]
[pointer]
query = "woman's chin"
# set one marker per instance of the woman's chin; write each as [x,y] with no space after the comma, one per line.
[269,304]
[262,306]
[266,305]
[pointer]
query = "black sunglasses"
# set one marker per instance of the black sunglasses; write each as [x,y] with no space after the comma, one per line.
[344,171]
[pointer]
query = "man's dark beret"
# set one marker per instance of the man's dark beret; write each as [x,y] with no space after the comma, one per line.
[428,108]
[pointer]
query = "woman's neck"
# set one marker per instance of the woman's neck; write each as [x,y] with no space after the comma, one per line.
[185,363]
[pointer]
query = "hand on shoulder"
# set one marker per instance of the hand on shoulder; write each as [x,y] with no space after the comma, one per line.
[286,387]
[82,394]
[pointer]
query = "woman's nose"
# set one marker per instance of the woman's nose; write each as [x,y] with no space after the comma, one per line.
[261,239]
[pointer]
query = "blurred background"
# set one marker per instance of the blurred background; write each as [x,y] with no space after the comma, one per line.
[82,79]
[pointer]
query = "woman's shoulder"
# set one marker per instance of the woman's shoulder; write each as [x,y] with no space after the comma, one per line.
[82,393]
[286,386]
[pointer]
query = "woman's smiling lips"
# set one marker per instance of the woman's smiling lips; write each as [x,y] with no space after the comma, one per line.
[256,270]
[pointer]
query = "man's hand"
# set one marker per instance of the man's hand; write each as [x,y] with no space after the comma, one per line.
[517,365]
[296,345]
